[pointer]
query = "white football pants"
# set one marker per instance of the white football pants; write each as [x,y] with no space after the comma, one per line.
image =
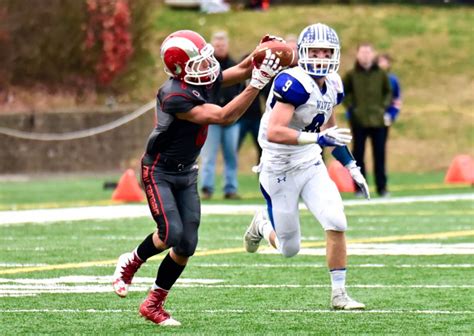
[319,193]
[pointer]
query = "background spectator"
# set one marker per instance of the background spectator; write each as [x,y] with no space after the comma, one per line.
[385,62]
[225,136]
[368,95]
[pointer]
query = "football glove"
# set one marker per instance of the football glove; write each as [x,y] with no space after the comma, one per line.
[358,178]
[334,136]
[269,37]
[269,68]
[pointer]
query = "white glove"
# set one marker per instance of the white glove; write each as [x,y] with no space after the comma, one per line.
[358,178]
[334,136]
[269,37]
[387,119]
[269,68]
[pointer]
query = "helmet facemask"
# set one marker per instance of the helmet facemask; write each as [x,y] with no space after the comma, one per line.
[318,36]
[318,66]
[202,69]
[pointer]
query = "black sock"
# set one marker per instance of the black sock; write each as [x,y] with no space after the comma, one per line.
[147,249]
[168,272]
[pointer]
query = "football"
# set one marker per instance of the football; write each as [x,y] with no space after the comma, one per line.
[286,54]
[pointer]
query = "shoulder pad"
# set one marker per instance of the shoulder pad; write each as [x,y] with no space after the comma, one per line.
[292,87]
[335,81]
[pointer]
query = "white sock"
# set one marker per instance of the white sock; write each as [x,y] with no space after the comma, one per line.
[154,287]
[338,278]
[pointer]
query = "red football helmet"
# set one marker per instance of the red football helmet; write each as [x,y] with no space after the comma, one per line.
[188,57]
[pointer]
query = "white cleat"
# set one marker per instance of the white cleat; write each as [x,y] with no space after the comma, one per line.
[340,300]
[127,265]
[252,236]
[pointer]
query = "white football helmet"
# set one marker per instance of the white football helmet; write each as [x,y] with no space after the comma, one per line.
[318,36]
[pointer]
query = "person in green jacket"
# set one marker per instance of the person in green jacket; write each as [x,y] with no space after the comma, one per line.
[367,96]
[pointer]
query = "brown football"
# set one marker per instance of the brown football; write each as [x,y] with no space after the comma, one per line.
[286,54]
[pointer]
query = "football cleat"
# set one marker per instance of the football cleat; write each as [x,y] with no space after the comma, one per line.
[152,308]
[340,300]
[127,265]
[252,236]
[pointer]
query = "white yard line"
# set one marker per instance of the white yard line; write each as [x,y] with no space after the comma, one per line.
[292,265]
[309,265]
[245,311]
[141,210]
[393,249]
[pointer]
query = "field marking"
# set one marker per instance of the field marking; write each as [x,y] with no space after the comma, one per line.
[416,249]
[289,265]
[109,202]
[321,265]
[44,216]
[246,311]
[422,236]
[102,284]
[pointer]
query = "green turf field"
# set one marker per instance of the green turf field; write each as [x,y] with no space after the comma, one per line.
[73,190]
[261,294]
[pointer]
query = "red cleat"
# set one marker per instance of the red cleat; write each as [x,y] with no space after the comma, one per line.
[127,265]
[152,308]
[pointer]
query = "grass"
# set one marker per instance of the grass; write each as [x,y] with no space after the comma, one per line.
[73,190]
[403,302]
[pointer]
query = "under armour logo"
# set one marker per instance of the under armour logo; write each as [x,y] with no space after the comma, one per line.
[283,179]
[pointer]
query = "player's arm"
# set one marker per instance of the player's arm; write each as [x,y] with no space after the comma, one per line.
[344,156]
[238,73]
[243,70]
[214,114]
[278,130]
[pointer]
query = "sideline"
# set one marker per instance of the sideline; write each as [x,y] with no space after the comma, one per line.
[141,210]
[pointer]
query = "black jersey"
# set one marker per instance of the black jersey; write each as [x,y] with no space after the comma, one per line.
[174,138]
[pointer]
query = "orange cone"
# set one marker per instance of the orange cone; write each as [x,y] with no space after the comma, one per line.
[341,177]
[461,170]
[128,189]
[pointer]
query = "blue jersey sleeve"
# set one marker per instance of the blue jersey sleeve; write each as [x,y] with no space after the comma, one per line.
[289,90]
[395,86]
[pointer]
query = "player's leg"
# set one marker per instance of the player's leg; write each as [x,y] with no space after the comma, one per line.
[208,160]
[322,198]
[279,223]
[156,188]
[230,139]
[184,214]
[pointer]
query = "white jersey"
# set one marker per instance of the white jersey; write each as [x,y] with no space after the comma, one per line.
[313,107]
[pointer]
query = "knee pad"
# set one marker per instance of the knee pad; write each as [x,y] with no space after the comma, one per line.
[174,237]
[289,248]
[186,248]
[337,221]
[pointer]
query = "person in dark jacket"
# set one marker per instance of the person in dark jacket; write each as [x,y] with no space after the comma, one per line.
[226,137]
[367,97]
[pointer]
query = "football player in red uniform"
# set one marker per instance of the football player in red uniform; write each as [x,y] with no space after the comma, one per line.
[169,170]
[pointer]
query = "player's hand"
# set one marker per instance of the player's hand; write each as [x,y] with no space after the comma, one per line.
[269,37]
[269,68]
[334,136]
[358,178]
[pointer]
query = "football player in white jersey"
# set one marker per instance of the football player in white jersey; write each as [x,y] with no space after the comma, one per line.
[298,121]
